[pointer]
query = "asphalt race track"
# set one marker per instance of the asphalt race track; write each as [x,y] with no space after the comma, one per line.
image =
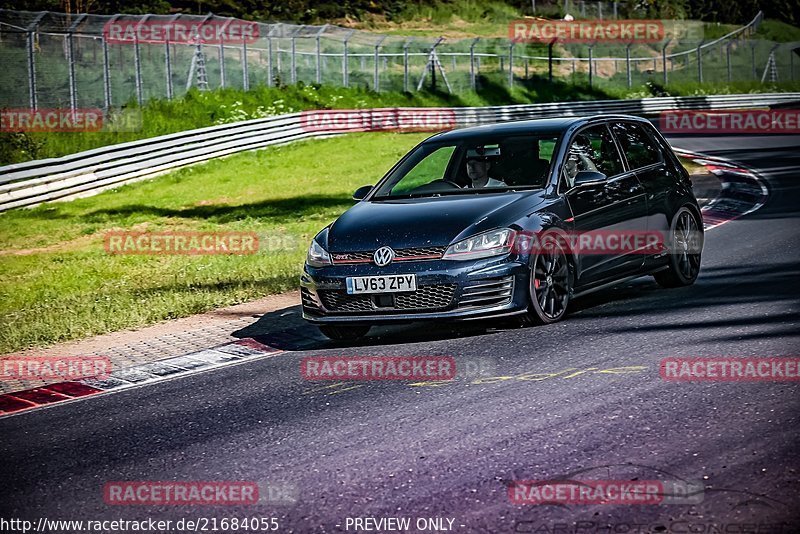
[581,396]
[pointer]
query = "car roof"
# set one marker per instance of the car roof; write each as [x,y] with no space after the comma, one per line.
[536,126]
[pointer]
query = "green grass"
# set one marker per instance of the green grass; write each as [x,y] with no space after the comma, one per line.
[779,31]
[57,283]
[462,18]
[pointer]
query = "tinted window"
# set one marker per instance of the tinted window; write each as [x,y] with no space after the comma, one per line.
[431,168]
[592,150]
[638,147]
[492,163]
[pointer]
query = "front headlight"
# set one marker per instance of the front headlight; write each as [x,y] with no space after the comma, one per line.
[485,245]
[317,256]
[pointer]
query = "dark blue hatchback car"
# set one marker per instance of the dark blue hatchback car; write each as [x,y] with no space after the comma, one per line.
[487,222]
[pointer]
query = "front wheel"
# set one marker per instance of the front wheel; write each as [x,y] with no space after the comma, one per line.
[344,333]
[550,284]
[686,246]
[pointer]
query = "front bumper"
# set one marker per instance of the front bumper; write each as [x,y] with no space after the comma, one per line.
[446,290]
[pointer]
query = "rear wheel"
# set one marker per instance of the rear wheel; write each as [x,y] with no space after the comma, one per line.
[550,284]
[686,246]
[344,333]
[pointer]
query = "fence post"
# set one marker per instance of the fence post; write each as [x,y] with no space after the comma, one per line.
[167,60]
[600,10]
[376,83]
[591,56]
[168,68]
[73,104]
[345,66]
[319,65]
[245,70]
[753,59]
[31,29]
[405,64]
[791,63]
[700,62]
[616,16]
[728,60]
[473,81]
[628,64]
[664,60]
[73,89]
[269,55]
[511,65]
[550,59]
[106,76]
[221,52]
[293,73]
[137,61]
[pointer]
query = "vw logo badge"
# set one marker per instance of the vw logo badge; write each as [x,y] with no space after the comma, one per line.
[383,256]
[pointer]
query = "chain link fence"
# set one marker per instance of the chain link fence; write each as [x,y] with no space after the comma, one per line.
[56,60]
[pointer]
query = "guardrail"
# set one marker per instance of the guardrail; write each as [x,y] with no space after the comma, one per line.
[90,172]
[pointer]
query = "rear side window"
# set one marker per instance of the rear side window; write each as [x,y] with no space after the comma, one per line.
[637,145]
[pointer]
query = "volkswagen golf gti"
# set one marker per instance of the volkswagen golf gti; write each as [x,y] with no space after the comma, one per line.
[510,219]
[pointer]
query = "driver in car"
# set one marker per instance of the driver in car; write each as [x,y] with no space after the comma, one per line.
[478,165]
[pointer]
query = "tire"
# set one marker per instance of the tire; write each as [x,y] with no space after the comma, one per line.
[550,286]
[686,247]
[344,333]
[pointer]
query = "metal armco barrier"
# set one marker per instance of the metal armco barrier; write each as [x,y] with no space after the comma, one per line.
[90,172]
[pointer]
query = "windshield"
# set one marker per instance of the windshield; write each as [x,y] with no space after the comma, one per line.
[472,166]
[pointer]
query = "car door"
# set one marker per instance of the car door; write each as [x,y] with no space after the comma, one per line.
[612,207]
[644,156]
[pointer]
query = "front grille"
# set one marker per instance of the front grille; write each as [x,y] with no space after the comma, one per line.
[434,297]
[427,297]
[487,293]
[338,301]
[403,254]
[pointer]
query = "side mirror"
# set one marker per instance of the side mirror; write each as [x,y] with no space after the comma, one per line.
[361,192]
[589,177]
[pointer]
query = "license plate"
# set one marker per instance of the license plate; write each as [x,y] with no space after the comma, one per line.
[392,283]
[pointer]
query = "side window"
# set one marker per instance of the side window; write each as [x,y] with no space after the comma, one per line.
[638,147]
[591,150]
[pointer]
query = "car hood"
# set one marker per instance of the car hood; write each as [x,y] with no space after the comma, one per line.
[426,222]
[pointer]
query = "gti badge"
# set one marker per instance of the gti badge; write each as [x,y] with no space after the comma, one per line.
[383,256]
